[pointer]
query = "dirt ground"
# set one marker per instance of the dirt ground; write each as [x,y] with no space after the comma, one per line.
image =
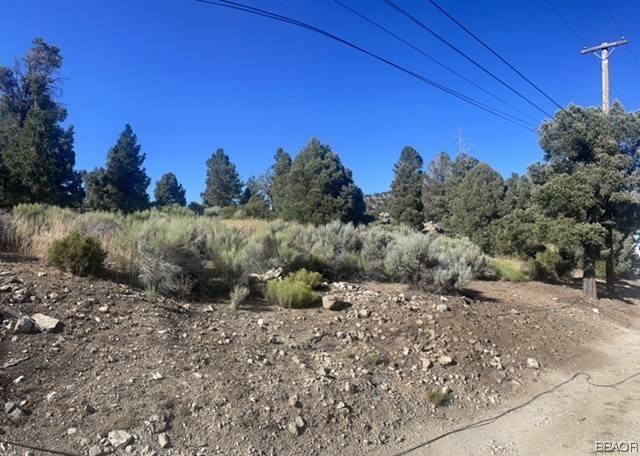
[184,378]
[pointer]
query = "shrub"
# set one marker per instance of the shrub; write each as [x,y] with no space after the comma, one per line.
[551,265]
[311,279]
[437,396]
[290,294]
[238,295]
[78,254]
[275,246]
[431,261]
[509,270]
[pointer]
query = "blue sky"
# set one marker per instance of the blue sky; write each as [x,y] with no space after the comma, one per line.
[191,77]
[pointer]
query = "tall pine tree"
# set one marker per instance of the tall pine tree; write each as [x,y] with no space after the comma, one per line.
[169,191]
[406,188]
[223,181]
[122,185]
[37,158]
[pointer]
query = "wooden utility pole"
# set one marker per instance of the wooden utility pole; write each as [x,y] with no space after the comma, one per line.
[604,47]
[606,104]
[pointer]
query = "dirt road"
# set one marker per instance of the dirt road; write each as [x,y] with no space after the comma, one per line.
[577,418]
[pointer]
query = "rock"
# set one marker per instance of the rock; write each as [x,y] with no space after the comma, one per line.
[157,376]
[41,274]
[364,313]
[52,396]
[119,439]
[19,379]
[596,311]
[442,307]
[164,441]
[95,450]
[426,363]
[13,410]
[271,274]
[261,322]
[446,361]
[533,363]
[333,302]
[71,431]
[294,401]
[103,309]
[45,323]
[24,325]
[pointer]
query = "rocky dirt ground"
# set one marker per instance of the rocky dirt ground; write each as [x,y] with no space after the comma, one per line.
[123,375]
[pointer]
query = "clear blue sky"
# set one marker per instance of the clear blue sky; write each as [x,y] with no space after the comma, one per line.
[191,77]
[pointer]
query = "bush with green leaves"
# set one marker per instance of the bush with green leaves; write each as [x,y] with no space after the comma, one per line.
[311,279]
[434,262]
[78,254]
[552,265]
[275,246]
[238,296]
[290,294]
[509,270]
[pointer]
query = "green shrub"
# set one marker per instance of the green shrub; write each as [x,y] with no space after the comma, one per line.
[434,262]
[238,296]
[78,254]
[290,294]
[311,279]
[551,265]
[509,270]
[275,246]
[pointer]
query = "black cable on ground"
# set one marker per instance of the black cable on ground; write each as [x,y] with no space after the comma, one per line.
[491,420]
[43,450]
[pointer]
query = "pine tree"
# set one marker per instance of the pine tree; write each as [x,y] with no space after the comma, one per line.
[36,153]
[319,189]
[169,191]
[589,184]
[476,204]
[122,185]
[406,188]
[223,181]
[276,179]
[434,192]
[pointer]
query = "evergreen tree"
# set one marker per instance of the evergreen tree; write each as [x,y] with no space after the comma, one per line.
[277,179]
[590,181]
[476,204]
[406,188]
[122,185]
[169,191]
[319,189]
[223,181]
[36,153]
[435,199]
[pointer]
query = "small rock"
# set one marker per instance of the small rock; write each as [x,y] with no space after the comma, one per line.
[261,322]
[442,308]
[41,274]
[446,361]
[533,363]
[596,311]
[294,401]
[119,439]
[13,410]
[24,325]
[103,309]
[95,450]
[163,440]
[426,363]
[19,379]
[45,323]
[52,396]
[332,302]
[71,431]
[364,313]
[157,376]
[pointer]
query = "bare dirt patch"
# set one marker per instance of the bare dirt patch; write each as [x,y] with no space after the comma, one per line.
[199,378]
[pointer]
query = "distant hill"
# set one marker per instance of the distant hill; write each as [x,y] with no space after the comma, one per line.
[378,202]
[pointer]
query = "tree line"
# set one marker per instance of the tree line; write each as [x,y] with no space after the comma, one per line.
[579,204]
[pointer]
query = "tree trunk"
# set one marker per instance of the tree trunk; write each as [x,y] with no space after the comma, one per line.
[610,271]
[589,272]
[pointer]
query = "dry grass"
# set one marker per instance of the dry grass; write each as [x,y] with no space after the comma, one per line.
[248,227]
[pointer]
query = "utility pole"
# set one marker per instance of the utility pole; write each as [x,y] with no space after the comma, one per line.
[604,47]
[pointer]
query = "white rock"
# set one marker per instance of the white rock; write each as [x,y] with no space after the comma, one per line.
[52,396]
[596,310]
[19,379]
[332,302]
[157,376]
[446,361]
[442,307]
[533,363]
[119,439]
[163,440]
[45,323]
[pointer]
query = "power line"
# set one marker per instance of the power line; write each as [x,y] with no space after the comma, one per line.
[583,43]
[437,62]
[285,19]
[459,24]
[620,31]
[425,27]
